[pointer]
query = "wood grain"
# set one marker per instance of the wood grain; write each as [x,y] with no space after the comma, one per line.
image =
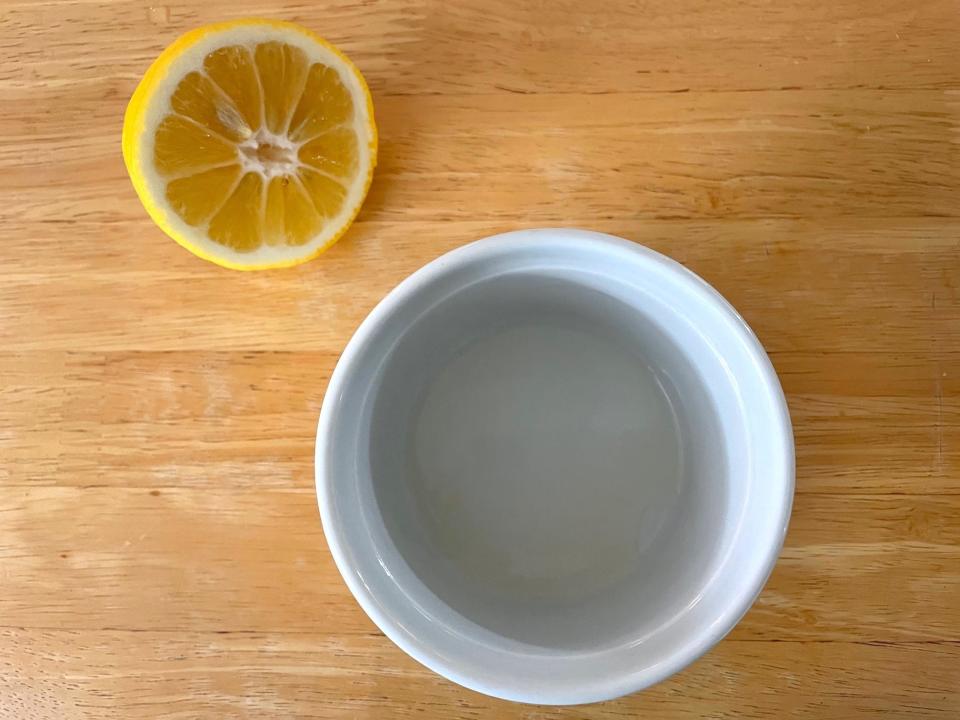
[160,548]
[110,674]
[119,550]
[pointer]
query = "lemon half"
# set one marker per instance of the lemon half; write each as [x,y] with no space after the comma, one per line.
[251,143]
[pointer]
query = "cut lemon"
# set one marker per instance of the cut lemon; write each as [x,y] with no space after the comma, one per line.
[251,143]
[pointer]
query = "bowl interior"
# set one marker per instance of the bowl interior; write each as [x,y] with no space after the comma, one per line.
[547,462]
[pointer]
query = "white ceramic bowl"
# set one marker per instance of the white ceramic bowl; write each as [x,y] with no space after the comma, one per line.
[554,466]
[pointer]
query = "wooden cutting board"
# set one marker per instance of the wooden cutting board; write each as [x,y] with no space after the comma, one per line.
[161,554]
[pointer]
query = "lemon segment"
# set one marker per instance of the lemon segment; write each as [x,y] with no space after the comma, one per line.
[251,143]
[197,197]
[287,67]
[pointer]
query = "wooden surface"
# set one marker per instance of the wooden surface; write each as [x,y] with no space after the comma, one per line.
[161,554]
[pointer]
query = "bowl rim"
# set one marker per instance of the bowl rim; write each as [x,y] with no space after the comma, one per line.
[629,680]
